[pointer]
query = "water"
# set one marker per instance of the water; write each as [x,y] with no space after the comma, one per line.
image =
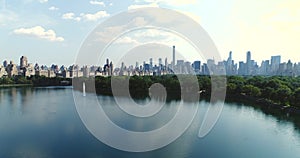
[43,123]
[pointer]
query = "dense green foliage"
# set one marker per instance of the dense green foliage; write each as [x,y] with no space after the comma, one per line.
[282,90]
[277,89]
[35,81]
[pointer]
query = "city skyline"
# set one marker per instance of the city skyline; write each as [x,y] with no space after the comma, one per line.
[156,59]
[40,29]
[250,67]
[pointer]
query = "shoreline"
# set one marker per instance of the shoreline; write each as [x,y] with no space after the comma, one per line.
[15,85]
[264,104]
[289,113]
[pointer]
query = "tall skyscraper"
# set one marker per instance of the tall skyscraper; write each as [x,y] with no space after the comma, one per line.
[111,68]
[242,68]
[275,62]
[248,57]
[160,61]
[196,66]
[151,63]
[230,57]
[23,62]
[229,64]
[174,60]
[136,65]
[107,62]
[249,64]
[5,63]
[166,63]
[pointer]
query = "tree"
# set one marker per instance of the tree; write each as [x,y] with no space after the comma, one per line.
[251,90]
[6,80]
[283,94]
[296,97]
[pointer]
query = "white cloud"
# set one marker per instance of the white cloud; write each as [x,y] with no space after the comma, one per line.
[86,16]
[43,1]
[8,17]
[105,34]
[70,16]
[127,40]
[95,2]
[169,2]
[135,6]
[94,17]
[39,32]
[110,4]
[53,8]
[178,2]
[191,15]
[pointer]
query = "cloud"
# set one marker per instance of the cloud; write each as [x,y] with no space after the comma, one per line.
[86,16]
[8,17]
[135,6]
[39,32]
[94,17]
[110,4]
[191,15]
[177,2]
[105,34]
[95,2]
[53,8]
[43,1]
[168,2]
[70,16]
[127,40]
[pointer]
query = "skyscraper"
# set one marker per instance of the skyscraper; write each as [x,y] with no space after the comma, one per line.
[166,63]
[249,64]
[173,62]
[229,64]
[23,62]
[160,62]
[248,56]
[275,62]
[151,63]
[5,63]
[196,66]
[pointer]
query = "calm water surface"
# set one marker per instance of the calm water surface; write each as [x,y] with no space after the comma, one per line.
[43,123]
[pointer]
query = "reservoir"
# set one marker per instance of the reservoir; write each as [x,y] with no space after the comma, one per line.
[44,123]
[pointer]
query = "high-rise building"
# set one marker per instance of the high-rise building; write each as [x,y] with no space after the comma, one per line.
[180,66]
[242,68]
[264,68]
[23,62]
[151,63]
[229,65]
[160,64]
[5,63]
[275,62]
[211,66]
[196,66]
[111,66]
[289,69]
[249,64]
[174,60]
[11,69]
[166,63]
[205,70]
[136,65]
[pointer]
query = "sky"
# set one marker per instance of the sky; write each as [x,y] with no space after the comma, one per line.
[52,31]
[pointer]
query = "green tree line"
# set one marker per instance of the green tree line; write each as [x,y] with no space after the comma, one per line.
[35,81]
[277,89]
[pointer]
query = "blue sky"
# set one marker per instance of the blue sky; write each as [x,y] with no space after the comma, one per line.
[51,31]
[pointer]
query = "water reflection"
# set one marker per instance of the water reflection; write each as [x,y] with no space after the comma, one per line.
[43,123]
